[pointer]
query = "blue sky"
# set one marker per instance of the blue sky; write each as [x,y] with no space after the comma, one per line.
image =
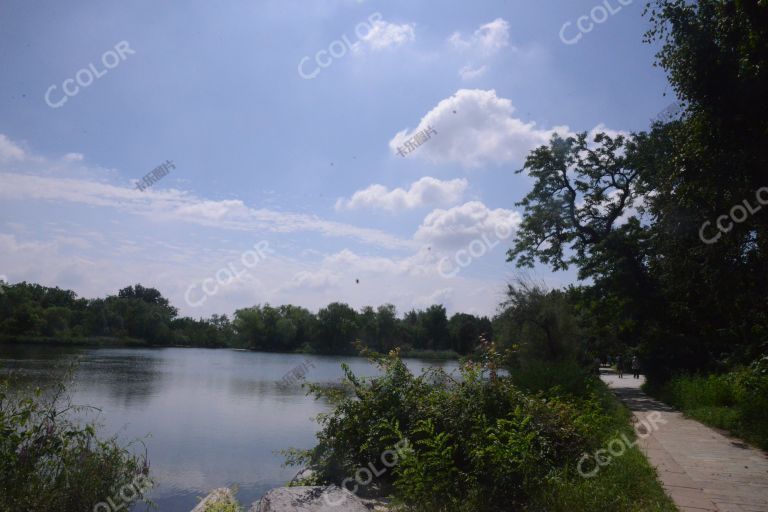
[297,181]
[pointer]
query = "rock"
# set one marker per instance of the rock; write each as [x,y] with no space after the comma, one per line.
[304,474]
[221,496]
[309,499]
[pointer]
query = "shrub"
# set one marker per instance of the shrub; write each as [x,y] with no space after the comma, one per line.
[473,443]
[50,461]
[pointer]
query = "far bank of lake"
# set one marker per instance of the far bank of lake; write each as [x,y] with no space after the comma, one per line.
[215,416]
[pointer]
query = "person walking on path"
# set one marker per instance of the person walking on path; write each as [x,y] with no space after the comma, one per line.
[636,367]
[620,366]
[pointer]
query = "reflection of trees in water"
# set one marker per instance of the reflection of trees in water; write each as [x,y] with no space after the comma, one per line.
[129,378]
[38,366]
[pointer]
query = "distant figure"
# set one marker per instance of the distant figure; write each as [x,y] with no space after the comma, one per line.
[620,366]
[636,367]
[597,364]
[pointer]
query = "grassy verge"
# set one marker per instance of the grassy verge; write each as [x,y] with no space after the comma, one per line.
[627,483]
[735,401]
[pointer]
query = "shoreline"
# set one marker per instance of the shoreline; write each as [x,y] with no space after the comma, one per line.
[108,342]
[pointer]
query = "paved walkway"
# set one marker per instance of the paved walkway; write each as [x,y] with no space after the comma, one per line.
[700,468]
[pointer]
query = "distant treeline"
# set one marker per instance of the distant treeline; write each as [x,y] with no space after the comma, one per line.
[31,312]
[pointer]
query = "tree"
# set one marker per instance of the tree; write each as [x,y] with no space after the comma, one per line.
[539,323]
[465,331]
[337,328]
[435,324]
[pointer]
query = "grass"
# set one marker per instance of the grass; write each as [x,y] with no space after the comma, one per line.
[736,402]
[628,483]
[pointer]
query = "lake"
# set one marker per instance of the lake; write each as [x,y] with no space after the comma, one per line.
[209,418]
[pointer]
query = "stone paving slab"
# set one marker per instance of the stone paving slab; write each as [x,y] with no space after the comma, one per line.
[700,468]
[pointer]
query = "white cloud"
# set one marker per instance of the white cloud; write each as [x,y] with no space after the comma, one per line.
[384,34]
[460,225]
[426,191]
[443,296]
[73,157]
[469,73]
[319,281]
[487,40]
[71,252]
[176,205]
[482,131]
[9,150]
[608,131]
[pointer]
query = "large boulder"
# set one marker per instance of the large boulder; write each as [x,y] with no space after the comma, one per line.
[309,499]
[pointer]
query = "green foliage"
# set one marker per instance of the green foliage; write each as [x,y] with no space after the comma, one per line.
[136,315]
[554,377]
[540,324]
[224,507]
[736,401]
[474,443]
[50,460]
[628,211]
[223,503]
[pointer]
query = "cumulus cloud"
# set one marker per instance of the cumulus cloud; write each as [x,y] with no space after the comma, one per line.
[384,34]
[488,39]
[482,131]
[458,226]
[426,191]
[608,131]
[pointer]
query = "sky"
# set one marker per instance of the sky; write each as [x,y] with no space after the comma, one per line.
[304,152]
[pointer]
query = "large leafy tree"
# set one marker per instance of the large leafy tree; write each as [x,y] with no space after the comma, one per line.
[629,212]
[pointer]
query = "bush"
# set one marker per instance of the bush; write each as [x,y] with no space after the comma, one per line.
[735,401]
[473,443]
[49,461]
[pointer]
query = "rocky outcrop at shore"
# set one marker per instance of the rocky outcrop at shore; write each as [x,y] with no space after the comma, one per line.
[328,498]
[309,499]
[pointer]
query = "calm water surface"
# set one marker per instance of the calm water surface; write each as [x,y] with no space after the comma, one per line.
[209,418]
